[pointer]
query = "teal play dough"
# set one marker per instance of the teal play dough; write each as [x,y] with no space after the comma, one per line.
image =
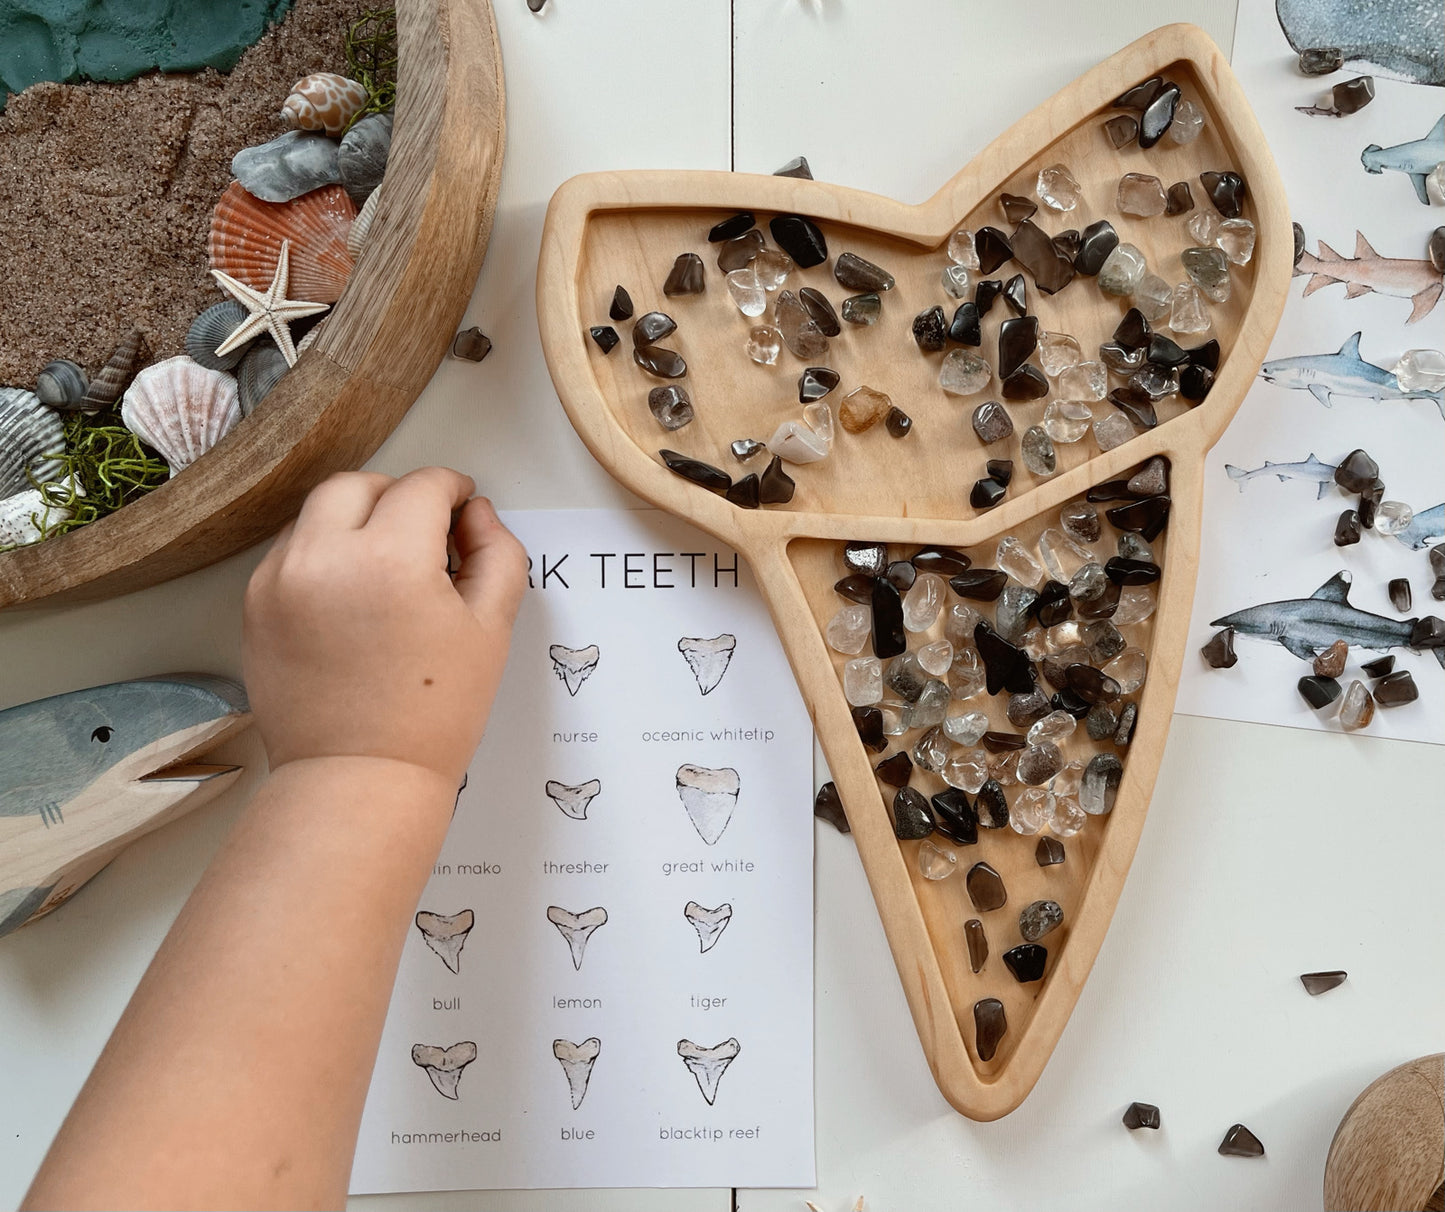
[66,40]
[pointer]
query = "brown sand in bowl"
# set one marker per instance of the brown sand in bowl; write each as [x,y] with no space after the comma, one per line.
[107,189]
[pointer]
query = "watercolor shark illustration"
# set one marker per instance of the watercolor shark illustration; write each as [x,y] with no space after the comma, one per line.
[1426,528]
[1397,39]
[1415,159]
[1307,626]
[84,773]
[1311,469]
[1343,373]
[1367,271]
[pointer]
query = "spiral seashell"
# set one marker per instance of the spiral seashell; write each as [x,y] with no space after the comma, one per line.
[30,434]
[181,408]
[361,226]
[210,329]
[246,236]
[261,369]
[361,158]
[26,516]
[115,376]
[62,384]
[323,101]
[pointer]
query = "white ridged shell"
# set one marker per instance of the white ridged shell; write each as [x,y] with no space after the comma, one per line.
[181,409]
[28,432]
[20,512]
[361,225]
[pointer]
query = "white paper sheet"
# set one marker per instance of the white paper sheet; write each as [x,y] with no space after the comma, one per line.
[1268,537]
[632,584]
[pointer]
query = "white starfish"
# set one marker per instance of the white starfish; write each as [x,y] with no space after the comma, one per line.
[270,312]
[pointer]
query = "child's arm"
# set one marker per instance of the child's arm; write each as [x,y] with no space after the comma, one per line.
[237,1074]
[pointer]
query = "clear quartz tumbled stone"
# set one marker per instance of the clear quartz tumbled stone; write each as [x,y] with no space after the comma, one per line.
[1122,271]
[819,418]
[1189,313]
[1062,557]
[961,250]
[923,601]
[863,681]
[1391,517]
[1087,381]
[1064,635]
[965,728]
[1067,421]
[1236,240]
[1068,818]
[1208,268]
[966,769]
[1111,430]
[1203,226]
[1057,352]
[893,724]
[936,862]
[1188,122]
[764,344]
[1057,188]
[1031,811]
[936,658]
[1089,584]
[1056,726]
[1129,669]
[1136,603]
[1036,449]
[1153,297]
[1140,196]
[967,676]
[772,268]
[1014,558]
[1068,780]
[930,707]
[747,292]
[1003,767]
[964,373]
[959,625]
[1420,370]
[957,281]
[848,630]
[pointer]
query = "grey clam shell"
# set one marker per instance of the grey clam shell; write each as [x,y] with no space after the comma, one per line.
[362,156]
[210,329]
[287,167]
[260,370]
[62,384]
[28,433]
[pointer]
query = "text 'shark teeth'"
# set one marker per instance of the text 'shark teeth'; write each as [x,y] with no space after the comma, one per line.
[444,1065]
[577,1061]
[574,800]
[708,1065]
[709,797]
[709,923]
[708,659]
[577,928]
[446,934]
[574,665]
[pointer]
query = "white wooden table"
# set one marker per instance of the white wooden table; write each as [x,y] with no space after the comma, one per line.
[1268,851]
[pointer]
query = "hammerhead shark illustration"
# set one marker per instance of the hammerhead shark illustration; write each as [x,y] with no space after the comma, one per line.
[82,774]
[1400,277]
[1311,469]
[1415,159]
[1343,373]
[1307,626]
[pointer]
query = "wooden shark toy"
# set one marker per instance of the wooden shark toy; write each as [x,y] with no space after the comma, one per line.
[83,774]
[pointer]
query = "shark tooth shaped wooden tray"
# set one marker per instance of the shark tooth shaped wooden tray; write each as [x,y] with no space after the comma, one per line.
[898,500]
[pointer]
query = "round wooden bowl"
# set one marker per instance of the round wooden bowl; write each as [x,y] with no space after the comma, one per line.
[1388,1154]
[376,351]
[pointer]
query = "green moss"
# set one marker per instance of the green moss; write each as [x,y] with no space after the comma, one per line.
[67,40]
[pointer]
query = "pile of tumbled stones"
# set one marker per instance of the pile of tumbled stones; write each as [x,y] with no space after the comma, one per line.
[1137,368]
[1354,706]
[1047,634]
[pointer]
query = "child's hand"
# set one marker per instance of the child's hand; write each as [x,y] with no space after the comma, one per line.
[358,644]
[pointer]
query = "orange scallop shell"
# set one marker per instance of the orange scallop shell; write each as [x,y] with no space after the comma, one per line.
[246,236]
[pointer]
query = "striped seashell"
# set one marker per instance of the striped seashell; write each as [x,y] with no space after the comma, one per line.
[26,516]
[62,384]
[323,101]
[361,227]
[30,434]
[261,369]
[115,376]
[246,236]
[181,409]
[210,330]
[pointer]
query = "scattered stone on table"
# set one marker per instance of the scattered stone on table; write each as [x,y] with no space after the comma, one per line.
[1049,852]
[1356,472]
[985,293]
[1316,983]
[1351,96]
[1395,689]
[796,167]
[828,806]
[1015,295]
[1347,528]
[1018,337]
[1321,60]
[1357,709]
[1039,918]
[979,584]
[986,493]
[1096,243]
[659,362]
[1319,692]
[896,770]
[671,405]
[1037,252]
[1141,1115]
[621,305]
[1100,784]
[1428,632]
[898,423]
[1154,297]
[964,328]
[1016,208]
[1189,312]
[1208,269]
[1057,352]
[1400,596]
[742,251]
[686,276]
[800,332]
[963,373]
[820,311]
[1239,1141]
[991,422]
[775,486]
[862,309]
[1420,370]
[990,1025]
[1026,383]
[854,273]
[800,239]
[1391,517]
[732,227]
[605,337]
[1026,962]
[474,345]
[747,292]
[1379,667]
[1139,96]
[868,720]
[935,862]
[1203,226]
[1195,382]
[1037,450]
[1331,662]
[930,330]
[985,887]
[862,408]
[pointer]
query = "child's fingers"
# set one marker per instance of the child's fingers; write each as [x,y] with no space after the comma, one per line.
[420,505]
[343,501]
[493,574]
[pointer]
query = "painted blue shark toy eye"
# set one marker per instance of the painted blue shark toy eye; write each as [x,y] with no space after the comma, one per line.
[102,734]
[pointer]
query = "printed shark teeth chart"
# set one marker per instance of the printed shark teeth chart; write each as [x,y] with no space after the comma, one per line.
[609,982]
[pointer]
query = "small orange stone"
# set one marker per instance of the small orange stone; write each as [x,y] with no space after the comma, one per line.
[862,409]
[1331,662]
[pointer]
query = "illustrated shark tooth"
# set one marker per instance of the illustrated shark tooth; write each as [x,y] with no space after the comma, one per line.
[709,923]
[573,800]
[446,934]
[574,665]
[444,1065]
[708,1065]
[709,797]
[577,928]
[708,659]
[577,1061]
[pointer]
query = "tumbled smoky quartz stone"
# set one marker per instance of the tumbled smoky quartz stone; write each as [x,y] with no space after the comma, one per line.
[990,1024]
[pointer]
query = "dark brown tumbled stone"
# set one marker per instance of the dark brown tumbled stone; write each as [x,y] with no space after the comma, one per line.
[1027,962]
[896,770]
[1316,983]
[605,336]
[898,423]
[1239,1141]
[979,584]
[1017,208]
[1140,95]
[1396,688]
[1179,199]
[621,308]
[1141,1115]
[663,363]
[828,806]
[697,471]
[985,887]
[1226,190]
[869,722]
[991,805]
[686,276]
[652,328]
[1036,251]
[991,422]
[775,486]
[993,249]
[912,818]
[734,254]
[1025,383]
[1122,129]
[800,238]
[990,1025]
[1049,852]
[930,329]
[731,228]
[854,273]
[745,494]
[977,940]
[820,311]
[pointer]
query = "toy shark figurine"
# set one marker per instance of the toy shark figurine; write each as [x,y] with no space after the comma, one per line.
[83,774]
[1415,159]
[1344,373]
[1307,626]
[1311,469]
[1367,271]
